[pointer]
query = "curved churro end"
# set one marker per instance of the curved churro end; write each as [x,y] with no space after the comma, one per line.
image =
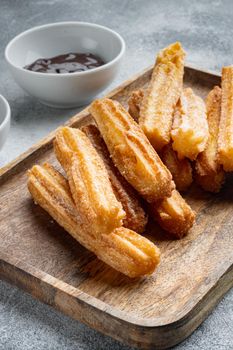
[190,128]
[225,139]
[159,101]
[141,254]
[209,173]
[52,193]
[173,214]
[122,249]
[136,218]
[62,149]
[89,181]
[131,151]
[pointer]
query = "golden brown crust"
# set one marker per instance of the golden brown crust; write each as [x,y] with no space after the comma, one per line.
[122,249]
[180,169]
[58,176]
[190,127]
[131,151]
[53,196]
[157,107]
[225,141]
[135,218]
[209,174]
[88,179]
[173,214]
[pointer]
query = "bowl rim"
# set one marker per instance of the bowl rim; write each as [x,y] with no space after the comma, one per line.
[49,25]
[7,116]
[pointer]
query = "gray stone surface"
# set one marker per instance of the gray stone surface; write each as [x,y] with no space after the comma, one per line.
[206,31]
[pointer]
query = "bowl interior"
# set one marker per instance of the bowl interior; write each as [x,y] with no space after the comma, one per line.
[51,40]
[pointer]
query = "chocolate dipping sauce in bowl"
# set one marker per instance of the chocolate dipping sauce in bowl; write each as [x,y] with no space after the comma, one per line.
[65,64]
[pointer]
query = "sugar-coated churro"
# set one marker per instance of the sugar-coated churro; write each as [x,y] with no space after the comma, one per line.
[173,214]
[209,174]
[157,107]
[135,218]
[89,182]
[180,169]
[190,127]
[131,151]
[122,249]
[225,139]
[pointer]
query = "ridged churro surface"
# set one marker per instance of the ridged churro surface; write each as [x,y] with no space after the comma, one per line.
[173,214]
[122,249]
[89,182]
[225,141]
[131,151]
[190,127]
[180,169]
[157,107]
[135,218]
[209,174]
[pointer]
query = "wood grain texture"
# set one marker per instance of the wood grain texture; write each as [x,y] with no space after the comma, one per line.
[160,311]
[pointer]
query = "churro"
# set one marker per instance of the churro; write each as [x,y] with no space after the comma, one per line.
[209,174]
[180,169]
[135,218]
[157,107]
[131,151]
[190,127]
[225,139]
[122,249]
[88,179]
[173,214]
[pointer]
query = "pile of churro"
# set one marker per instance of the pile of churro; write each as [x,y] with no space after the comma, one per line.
[132,164]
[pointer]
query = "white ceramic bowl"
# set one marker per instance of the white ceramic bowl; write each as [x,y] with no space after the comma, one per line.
[5,117]
[69,89]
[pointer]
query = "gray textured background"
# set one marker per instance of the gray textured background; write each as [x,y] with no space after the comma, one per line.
[205,29]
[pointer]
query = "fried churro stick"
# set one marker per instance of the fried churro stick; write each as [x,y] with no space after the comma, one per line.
[134,103]
[157,107]
[135,218]
[131,151]
[190,127]
[88,179]
[181,170]
[122,249]
[209,174]
[225,139]
[173,214]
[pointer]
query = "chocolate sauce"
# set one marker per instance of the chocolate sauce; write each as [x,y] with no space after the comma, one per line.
[68,63]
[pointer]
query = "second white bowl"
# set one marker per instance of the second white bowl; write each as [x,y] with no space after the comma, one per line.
[5,118]
[69,89]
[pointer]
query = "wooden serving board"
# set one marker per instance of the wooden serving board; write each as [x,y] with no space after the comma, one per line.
[156,312]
